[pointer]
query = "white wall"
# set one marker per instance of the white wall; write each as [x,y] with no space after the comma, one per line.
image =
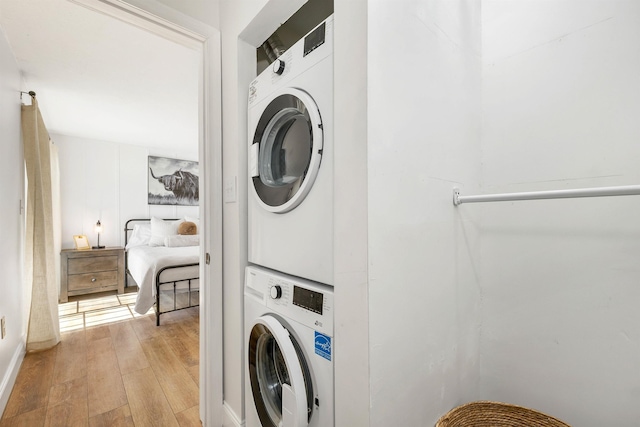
[350,235]
[561,101]
[233,18]
[189,14]
[243,26]
[205,11]
[12,230]
[108,181]
[424,135]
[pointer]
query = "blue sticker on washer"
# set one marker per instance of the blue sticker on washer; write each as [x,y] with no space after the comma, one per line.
[323,345]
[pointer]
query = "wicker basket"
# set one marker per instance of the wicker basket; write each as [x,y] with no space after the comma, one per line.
[496,414]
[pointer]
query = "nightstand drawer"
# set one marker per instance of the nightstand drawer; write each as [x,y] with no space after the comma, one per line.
[92,280]
[91,264]
[87,272]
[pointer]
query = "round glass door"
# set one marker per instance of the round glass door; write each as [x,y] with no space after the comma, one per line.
[280,378]
[286,150]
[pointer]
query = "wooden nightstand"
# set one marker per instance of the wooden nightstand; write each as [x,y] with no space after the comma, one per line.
[89,271]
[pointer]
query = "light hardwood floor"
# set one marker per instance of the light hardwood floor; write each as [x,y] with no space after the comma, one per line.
[111,368]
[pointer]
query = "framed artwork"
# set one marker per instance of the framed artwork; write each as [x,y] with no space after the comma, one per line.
[173,182]
[81,241]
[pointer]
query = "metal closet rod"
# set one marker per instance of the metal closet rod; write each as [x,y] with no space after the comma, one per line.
[629,190]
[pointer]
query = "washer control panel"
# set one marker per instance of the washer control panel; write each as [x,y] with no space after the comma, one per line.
[304,301]
[308,299]
[275,292]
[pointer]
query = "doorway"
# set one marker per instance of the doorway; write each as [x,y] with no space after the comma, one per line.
[171,25]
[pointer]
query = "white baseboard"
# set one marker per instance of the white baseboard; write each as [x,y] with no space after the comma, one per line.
[10,375]
[230,418]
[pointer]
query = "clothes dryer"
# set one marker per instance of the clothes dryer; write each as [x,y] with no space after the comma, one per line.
[289,377]
[291,160]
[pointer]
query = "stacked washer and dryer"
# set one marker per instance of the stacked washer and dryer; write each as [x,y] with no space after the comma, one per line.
[288,311]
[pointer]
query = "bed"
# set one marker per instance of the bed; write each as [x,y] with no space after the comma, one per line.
[164,265]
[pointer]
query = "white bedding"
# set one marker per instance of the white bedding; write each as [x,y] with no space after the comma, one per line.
[144,261]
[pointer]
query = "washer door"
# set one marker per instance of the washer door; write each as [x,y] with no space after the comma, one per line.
[286,150]
[280,378]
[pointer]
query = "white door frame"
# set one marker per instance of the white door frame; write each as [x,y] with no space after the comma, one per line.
[173,25]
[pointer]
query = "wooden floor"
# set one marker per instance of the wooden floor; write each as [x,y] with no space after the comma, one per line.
[111,369]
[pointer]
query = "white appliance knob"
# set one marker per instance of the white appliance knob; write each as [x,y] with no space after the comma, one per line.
[278,66]
[276,292]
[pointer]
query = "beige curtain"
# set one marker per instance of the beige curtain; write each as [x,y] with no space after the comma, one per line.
[56,218]
[41,253]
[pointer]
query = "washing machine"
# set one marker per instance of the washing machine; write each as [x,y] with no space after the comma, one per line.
[289,351]
[290,121]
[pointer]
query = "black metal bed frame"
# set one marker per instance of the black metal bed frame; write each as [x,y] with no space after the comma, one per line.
[158,283]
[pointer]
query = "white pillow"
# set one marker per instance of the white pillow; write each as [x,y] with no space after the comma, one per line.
[181,240]
[139,236]
[161,229]
[196,221]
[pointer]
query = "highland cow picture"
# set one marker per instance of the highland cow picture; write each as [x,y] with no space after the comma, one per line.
[173,182]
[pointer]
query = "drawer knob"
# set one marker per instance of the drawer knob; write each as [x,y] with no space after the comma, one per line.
[93,279]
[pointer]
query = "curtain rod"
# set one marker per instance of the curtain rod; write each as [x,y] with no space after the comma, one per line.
[629,190]
[30,93]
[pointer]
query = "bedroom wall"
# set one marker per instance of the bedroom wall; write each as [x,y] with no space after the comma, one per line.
[12,230]
[108,181]
[561,101]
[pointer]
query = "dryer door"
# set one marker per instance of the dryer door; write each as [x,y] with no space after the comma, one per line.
[279,374]
[286,150]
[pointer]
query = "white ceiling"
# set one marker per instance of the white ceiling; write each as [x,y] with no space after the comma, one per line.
[100,78]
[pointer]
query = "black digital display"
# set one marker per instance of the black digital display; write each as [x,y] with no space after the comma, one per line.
[308,299]
[314,39]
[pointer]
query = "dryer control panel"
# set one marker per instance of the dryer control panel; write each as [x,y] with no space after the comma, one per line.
[314,39]
[306,53]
